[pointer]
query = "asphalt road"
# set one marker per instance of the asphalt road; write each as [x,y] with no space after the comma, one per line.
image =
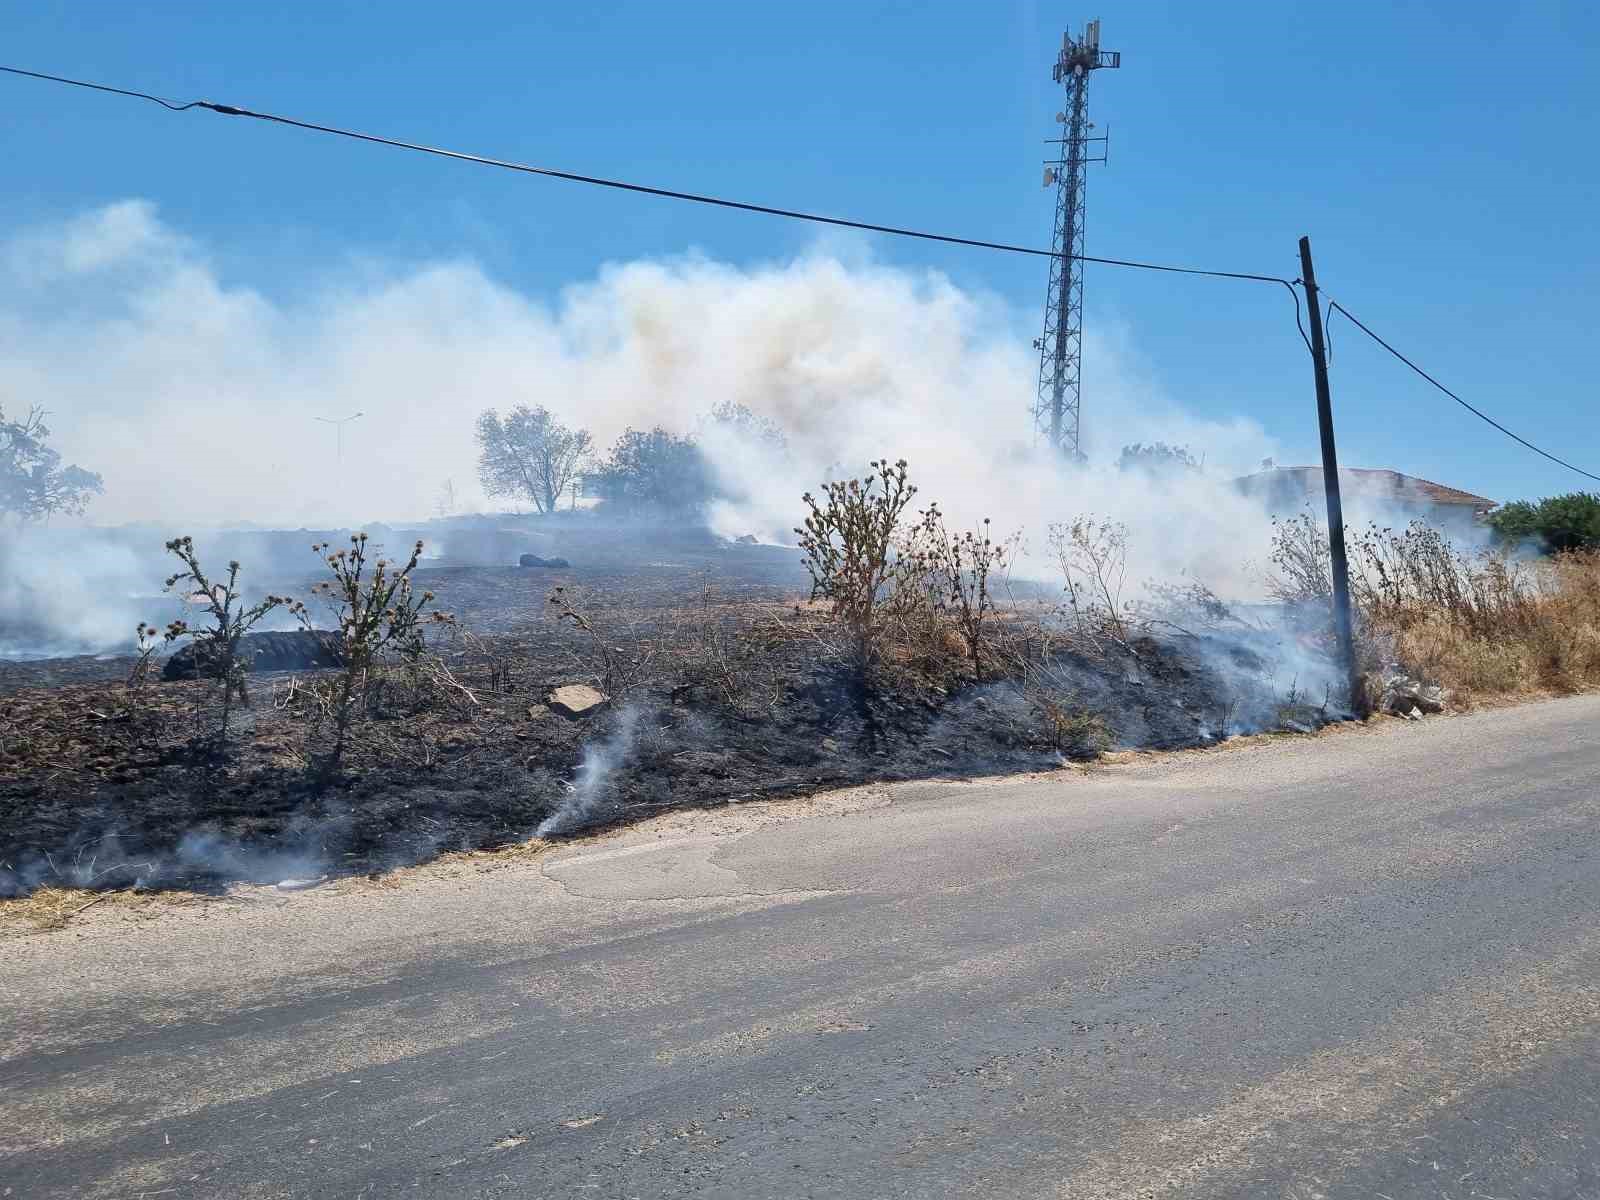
[1363,965]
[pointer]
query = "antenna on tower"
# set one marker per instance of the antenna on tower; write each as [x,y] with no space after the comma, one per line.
[1056,414]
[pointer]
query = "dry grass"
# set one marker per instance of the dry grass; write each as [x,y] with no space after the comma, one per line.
[1489,626]
[487,858]
[1482,625]
[50,908]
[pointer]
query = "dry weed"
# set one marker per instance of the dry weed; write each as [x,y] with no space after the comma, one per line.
[49,907]
[1489,625]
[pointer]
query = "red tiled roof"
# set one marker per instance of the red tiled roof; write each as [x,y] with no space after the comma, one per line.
[1359,481]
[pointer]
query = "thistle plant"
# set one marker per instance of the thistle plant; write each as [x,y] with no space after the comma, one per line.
[377,613]
[960,570]
[216,646]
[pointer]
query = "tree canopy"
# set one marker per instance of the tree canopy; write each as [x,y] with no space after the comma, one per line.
[747,425]
[33,484]
[654,470]
[1156,457]
[1557,523]
[530,454]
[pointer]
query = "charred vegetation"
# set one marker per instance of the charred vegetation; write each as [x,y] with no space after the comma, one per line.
[665,668]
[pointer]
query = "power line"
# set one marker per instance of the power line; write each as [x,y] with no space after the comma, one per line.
[101,87]
[790,214]
[1477,412]
[231,110]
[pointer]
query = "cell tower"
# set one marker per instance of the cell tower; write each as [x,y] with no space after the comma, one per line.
[1056,415]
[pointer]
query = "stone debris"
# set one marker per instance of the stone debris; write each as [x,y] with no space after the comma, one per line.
[294,650]
[1402,695]
[577,699]
[300,885]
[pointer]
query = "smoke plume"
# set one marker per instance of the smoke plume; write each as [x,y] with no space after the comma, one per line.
[196,394]
[587,791]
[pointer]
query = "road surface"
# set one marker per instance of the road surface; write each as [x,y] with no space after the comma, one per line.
[1360,965]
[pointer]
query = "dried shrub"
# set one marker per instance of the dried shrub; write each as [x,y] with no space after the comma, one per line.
[1093,557]
[146,641]
[490,658]
[623,659]
[734,661]
[1518,626]
[1398,577]
[132,705]
[960,572]
[1189,607]
[1304,564]
[854,552]
[1073,731]
[216,647]
[1475,622]
[378,616]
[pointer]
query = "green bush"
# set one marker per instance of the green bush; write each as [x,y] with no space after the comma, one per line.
[1557,523]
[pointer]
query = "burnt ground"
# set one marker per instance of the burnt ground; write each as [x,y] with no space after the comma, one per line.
[723,689]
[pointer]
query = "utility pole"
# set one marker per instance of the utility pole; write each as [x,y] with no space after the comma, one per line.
[1060,346]
[1330,480]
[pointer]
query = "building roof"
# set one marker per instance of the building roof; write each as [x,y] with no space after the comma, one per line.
[1390,486]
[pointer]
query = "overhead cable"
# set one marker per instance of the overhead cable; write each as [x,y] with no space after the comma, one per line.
[231,110]
[1477,412]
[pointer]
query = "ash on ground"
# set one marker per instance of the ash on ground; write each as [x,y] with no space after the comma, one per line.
[717,689]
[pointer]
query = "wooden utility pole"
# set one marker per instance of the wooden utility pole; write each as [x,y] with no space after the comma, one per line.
[1330,482]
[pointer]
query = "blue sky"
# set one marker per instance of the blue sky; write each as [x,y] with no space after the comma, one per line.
[1439,154]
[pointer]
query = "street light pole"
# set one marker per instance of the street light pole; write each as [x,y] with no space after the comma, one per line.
[338,424]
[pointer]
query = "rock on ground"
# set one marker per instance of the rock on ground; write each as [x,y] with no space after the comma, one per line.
[1402,694]
[577,699]
[292,650]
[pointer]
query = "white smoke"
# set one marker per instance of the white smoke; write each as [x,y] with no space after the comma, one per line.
[65,592]
[195,394]
[587,791]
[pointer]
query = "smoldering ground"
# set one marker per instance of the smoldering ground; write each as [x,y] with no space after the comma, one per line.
[105,789]
[852,360]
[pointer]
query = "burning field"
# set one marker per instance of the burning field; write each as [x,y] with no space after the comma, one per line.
[661,668]
[660,649]
[701,401]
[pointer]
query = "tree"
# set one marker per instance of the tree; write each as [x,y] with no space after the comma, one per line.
[654,470]
[747,425]
[1558,523]
[530,454]
[1157,457]
[33,483]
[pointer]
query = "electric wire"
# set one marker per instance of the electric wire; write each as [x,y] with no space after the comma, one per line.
[1477,412]
[101,87]
[645,189]
[1298,323]
[816,218]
